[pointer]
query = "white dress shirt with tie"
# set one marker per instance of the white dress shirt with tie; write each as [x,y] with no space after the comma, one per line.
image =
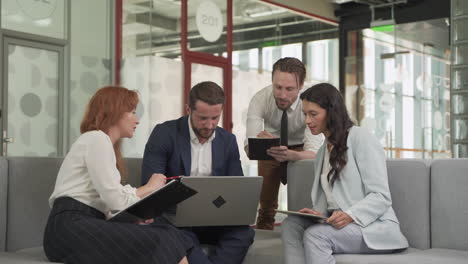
[264,114]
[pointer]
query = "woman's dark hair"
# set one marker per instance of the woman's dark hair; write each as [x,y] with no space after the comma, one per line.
[338,123]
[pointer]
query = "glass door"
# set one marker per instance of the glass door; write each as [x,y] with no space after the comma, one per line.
[214,29]
[403,95]
[203,72]
[32,98]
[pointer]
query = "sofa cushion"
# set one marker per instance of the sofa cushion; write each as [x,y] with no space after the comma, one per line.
[26,256]
[437,256]
[449,206]
[266,248]
[134,171]
[30,183]
[394,258]
[409,184]
[300,180]
[3,202]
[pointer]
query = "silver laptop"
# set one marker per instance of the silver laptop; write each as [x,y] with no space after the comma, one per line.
[220,201]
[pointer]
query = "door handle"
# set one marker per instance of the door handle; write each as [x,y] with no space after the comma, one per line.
[8,140]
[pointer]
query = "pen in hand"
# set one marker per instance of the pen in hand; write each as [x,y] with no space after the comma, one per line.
[172,178]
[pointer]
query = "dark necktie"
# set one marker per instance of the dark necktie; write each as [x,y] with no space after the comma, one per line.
[284,129]
[284,142]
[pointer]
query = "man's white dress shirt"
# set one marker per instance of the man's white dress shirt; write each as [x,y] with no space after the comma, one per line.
[264,114]
[201,154]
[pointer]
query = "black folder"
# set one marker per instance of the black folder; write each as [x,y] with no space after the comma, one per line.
[258,147]
[155,203]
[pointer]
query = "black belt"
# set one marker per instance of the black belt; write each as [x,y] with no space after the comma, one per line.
[295,146]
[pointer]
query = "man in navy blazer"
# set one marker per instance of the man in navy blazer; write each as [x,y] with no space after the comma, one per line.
[194,145]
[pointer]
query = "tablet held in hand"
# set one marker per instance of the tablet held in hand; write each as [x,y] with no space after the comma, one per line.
[258,148]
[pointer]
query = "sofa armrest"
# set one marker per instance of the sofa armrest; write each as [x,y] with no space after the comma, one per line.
[300,180]
[3,201]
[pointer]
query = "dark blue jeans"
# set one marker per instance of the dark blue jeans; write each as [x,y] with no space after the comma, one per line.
[231,243]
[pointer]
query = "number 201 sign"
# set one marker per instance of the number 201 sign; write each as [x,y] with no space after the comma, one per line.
[209,21]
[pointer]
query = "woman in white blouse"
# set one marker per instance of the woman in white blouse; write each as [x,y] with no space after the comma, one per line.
[88,188]
[350,187]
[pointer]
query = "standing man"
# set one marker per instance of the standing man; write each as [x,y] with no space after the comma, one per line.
[194,145]
[276,111]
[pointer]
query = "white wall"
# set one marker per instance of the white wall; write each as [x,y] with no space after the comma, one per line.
[90,63]
[90,28]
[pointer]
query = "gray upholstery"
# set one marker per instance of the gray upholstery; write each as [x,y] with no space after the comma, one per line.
[17,258]
[30,256]
[449,204]
[33,179]
[409,184]
[300,180]
[394,258]
[26,183]
[30,183]
[438,256]
[266,249]
[3,202]
[134,171]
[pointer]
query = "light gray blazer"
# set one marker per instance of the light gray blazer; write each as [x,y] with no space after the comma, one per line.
[362,190]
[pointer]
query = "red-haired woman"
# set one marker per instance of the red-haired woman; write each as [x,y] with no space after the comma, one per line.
[88,188]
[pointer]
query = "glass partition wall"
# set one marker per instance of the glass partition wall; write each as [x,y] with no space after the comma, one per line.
[53,60]
[400,89]
[459,92]
[262,34]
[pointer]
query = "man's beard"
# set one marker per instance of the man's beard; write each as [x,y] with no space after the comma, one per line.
[197,131]
[199,134]
[281,107]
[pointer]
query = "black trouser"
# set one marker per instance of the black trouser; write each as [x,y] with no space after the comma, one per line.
[231,243]
[78,233]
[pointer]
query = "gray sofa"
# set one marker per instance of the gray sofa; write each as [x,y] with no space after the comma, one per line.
[25,186]
[430,200]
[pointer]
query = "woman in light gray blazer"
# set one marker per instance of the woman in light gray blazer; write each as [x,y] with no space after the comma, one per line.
[350,187]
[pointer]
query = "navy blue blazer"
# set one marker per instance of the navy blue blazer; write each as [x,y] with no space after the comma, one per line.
[168,151]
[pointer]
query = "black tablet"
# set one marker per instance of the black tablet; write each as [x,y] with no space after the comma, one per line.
[258,148]
[155,203]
